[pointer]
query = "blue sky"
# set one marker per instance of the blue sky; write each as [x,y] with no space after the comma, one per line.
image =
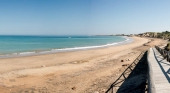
[83,17]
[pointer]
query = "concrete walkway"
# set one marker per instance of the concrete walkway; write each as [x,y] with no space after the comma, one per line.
[159,72]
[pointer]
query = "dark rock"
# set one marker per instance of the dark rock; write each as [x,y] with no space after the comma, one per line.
[73,88]
[122,60]
[125,64]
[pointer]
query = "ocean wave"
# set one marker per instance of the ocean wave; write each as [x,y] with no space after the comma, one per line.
[23,53]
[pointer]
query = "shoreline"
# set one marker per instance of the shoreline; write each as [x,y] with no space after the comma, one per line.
[54,51]
[70,72]
[36,61]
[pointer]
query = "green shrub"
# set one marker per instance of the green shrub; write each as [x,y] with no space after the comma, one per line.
[167,47]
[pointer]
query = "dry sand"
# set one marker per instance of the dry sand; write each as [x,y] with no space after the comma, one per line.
[86,71]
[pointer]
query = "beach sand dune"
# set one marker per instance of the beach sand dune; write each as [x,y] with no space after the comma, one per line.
[86,71]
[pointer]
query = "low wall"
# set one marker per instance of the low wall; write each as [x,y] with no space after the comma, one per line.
[150,59]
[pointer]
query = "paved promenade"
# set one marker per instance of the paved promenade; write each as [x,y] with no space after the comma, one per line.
[159,72]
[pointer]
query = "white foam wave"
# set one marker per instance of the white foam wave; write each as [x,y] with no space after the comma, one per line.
[23,53]
[90,47]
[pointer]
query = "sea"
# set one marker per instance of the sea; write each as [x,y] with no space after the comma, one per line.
[14,46]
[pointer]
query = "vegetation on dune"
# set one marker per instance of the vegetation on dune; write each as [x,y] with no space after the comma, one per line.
[167,47]
[163,35]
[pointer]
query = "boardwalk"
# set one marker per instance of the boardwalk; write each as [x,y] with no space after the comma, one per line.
[159,72]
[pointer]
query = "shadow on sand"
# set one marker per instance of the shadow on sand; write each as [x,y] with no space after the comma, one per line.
[133,79]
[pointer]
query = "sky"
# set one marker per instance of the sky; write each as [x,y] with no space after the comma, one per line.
[83,17]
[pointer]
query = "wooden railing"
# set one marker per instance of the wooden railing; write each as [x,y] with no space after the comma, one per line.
[124,75]
[164,53]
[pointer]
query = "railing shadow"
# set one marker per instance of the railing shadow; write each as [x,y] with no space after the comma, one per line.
[163,61]
[128,73]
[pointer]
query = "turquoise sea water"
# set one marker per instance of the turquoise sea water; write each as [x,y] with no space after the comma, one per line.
[22,45]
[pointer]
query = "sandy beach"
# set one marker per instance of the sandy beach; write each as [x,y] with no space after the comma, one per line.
[85,71]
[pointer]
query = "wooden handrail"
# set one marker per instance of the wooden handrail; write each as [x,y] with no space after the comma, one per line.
[164,53]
